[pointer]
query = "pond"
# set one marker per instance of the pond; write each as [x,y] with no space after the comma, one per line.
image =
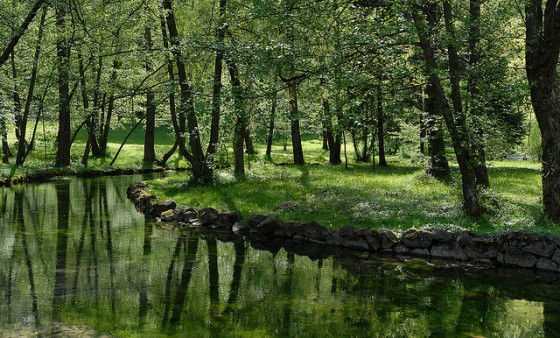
[77,259]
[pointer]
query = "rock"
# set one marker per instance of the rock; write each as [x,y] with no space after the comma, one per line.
[157,208]
[267,226]
[226,219]
[372,237]
[420,239]
[208,216]
[464,238]
[420,252]
[540,247]
[401,249]
[479,248]
[240,228]
[388,239]
[168,216]
[546,264]
[518,258]
[312,230]
[186,215]
[443,236]
[556,256]
[256,219]
[454,252]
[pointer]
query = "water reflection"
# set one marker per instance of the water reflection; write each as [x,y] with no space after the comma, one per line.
[76,259]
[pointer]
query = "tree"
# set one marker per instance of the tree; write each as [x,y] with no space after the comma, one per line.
[542,49]
[63,65]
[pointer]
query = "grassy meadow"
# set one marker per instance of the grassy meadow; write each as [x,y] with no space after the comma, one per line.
[399,197]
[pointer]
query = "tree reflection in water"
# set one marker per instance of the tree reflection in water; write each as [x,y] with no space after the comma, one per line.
[77,259]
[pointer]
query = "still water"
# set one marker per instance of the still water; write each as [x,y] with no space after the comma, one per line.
[76,259]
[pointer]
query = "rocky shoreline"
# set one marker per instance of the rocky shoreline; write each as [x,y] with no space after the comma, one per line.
[513,248]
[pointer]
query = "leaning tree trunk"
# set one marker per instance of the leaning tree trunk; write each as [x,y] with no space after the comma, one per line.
[201,170]
[22,143]
[20,31]
[455,123]
[541,57]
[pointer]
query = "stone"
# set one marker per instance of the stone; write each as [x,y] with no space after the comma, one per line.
[256,219]
[464,238]
[518,258]
[157,208]
[186,215]
[226,219]
[240,228]
[417,239]
[540,247]
[449,252]
[401,249]
[546,264]
[420,252]
[168,216]
[443,236]
[208,216]
[481,247]
[388,239]
[556,256]
[313,230]
[268,226]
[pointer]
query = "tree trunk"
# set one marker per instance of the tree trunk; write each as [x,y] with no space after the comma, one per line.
[380,128]
[149,135]
[479,153]
[270,136]
[541,57]
[6,154]
[294,120]
[20,31]
[217,85]
[106,120]
[438,166]
[455,124]
[22,144]
[201,170]
[63,64]
[333,140]
[240,122]
[249,147]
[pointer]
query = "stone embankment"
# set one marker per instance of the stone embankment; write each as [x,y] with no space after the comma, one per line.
[513,248]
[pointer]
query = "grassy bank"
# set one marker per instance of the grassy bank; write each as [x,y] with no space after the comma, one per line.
[41,159]
[399,197]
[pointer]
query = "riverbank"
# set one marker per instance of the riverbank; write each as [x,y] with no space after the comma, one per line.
[513,248]
[42,176]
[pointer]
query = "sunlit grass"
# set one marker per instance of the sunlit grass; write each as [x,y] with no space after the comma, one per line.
[399,197]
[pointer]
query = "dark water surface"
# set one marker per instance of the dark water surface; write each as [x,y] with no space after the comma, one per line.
[76,259]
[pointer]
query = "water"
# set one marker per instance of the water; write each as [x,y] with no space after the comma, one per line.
[76,259]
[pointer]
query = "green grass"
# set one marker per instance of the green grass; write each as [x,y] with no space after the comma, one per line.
[41,159]
[399,197]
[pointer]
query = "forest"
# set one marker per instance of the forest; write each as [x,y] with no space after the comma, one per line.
[448,85]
